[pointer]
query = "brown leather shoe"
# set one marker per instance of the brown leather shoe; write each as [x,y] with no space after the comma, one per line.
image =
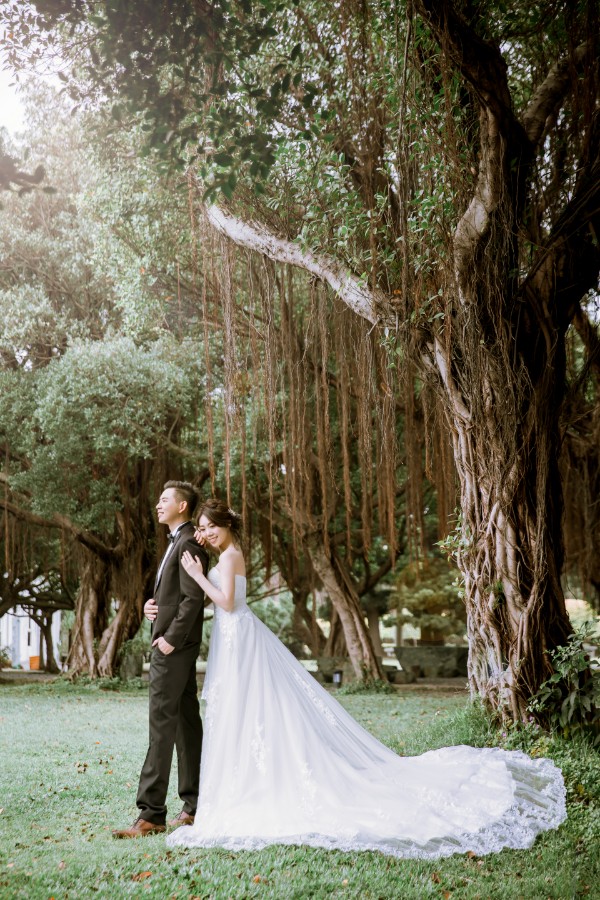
[183,818]
[140,828]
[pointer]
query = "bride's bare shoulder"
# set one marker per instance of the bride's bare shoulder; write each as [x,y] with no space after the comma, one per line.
[232,561]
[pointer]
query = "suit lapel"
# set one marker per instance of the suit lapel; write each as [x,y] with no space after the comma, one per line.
[161,571]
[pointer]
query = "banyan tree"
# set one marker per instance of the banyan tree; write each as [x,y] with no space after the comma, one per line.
[90,420]
[87,472]
[479,171]
[436,166]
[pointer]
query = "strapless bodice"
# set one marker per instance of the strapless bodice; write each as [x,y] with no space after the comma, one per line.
[239,597]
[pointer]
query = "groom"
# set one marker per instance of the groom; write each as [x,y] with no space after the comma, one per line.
[177,611]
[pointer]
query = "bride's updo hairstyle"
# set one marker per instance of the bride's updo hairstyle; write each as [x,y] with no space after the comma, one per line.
[217,512]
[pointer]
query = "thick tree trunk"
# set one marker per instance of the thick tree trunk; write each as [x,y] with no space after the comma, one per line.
[45,623]
[123,627]
[131,581]
[500,355]
[510,549]
[91,616]
[347,605]
[373,620]
[305,625]
[335,644]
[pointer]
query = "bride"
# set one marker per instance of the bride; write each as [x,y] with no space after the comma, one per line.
[284,763]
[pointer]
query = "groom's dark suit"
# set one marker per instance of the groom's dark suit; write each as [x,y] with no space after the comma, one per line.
[174,709]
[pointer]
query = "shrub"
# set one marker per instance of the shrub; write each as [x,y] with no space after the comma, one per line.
[569,701]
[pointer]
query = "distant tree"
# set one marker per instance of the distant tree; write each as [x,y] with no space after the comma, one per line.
[89,420]
[427,597]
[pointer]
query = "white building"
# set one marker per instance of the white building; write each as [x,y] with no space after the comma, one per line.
[23,640]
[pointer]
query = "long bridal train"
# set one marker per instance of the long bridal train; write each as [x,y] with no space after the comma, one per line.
[284,763]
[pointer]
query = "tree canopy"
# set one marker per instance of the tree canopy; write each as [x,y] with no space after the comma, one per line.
[436,167]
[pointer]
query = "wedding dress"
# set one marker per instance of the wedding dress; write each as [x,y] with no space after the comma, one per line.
[284,763]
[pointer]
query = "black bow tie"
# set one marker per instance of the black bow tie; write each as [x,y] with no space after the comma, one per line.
[171,537]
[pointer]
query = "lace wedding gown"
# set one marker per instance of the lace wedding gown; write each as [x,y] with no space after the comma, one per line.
[284,763]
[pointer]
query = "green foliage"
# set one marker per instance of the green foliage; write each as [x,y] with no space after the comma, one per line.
[427,597]
[277,615]
[459,540]
[84,683]
[96,408]
[5,658]
[132,653]
[570,699]
[367,686]
[174,66]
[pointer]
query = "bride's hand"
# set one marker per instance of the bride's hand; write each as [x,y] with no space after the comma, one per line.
[191,564]
[199,537]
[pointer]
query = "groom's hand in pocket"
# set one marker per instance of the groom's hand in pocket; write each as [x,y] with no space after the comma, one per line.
[164,646]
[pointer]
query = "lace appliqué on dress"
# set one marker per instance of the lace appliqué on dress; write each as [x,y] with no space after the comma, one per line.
[320,705]
[259,749]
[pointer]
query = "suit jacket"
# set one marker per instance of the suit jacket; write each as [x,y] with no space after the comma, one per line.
[180,599]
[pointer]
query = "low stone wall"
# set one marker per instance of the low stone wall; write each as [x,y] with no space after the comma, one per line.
[433,662]
[327,665]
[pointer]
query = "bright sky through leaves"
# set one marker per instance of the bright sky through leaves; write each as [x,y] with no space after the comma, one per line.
[11,107]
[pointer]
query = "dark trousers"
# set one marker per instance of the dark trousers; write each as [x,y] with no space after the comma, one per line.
[174,722]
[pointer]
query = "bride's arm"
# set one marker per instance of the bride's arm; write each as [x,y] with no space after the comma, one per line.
[224,597]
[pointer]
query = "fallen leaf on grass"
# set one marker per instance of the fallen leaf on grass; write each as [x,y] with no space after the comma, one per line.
[436,878]
[471,855]
[345,881]
[446,895]
[258,878]
[62,864]
[141,876]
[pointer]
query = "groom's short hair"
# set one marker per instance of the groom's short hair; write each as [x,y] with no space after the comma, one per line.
[184,491]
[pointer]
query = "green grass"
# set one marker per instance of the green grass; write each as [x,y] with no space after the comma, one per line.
[69,764]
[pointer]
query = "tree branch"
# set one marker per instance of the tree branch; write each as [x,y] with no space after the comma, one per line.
[502,137]
[57,520]
[371,305]
[590,339]
[372,579]
[479,61]
[568,265]
[550,92]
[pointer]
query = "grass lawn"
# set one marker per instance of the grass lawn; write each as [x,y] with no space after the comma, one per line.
[69,763]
